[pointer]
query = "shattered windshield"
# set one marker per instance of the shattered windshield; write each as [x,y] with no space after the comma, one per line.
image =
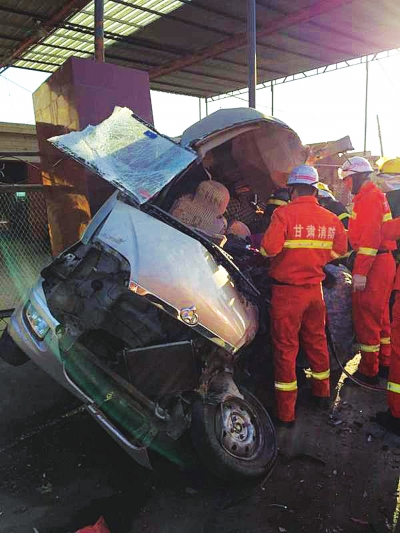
[128,153]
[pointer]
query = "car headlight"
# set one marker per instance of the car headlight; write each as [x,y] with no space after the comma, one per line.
[38,325]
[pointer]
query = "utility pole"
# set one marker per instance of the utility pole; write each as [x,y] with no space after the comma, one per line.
[272,98]
[366,105]
[252,52]
[380,134]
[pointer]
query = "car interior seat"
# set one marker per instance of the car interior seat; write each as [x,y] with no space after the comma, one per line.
[205,208]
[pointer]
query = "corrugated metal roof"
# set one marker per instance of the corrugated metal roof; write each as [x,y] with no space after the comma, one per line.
[147,34]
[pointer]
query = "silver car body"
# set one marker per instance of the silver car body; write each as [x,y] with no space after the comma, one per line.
[166,263]
[175,268]
[181,273]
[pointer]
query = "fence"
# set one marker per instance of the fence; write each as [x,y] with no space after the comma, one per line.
[24,241]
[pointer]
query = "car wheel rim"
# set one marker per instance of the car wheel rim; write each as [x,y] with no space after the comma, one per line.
[238,426]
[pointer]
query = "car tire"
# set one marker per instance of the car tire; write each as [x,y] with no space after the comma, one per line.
[234,439]
[10,352]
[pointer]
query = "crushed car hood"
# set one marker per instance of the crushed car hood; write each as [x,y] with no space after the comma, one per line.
[264,148]
[224,119]
[128,153]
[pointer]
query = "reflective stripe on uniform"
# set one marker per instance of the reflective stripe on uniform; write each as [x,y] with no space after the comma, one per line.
[263,252]
[385,340]
[370,347]
[367,251]
[321,375]
[276,202]
[387,217]
[287,387]
[353,215]
[304,243]
[393,387]
[343,215]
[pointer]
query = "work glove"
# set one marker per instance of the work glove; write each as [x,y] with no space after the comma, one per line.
[359,282]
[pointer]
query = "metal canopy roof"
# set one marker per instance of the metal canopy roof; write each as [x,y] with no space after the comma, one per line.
[198,47]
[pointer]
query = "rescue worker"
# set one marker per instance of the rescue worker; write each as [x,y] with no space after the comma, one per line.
[388,179]
[278,198]
[223,168]
[373,270]
[301,239]
[327,200]
[390,419]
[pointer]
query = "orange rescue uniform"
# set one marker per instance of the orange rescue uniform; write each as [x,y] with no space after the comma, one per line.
[371,306]
[391,231]
[301,238]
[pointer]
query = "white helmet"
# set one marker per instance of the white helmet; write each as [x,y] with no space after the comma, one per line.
[303,175]
[354,165]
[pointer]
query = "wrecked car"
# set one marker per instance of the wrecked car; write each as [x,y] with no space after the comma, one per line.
[156,317]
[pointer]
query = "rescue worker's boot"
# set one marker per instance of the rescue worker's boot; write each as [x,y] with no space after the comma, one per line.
[321,403]
[388,421]
[383,372]
[282,424]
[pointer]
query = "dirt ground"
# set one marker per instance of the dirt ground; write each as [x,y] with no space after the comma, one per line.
[59,471]
[338,472]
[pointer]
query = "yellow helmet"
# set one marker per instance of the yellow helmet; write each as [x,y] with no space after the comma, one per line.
[390,166]
[324,191]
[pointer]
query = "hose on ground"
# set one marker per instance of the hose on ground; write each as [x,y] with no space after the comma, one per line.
[355,380]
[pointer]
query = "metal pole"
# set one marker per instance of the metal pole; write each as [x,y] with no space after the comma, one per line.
[252,52]
[366,106]
[99,30]
[380,134]
[206,106]
[199,108]
[272,98]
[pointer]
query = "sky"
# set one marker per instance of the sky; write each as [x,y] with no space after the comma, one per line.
[319,108]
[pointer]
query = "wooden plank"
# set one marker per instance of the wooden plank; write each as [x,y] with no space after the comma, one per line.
[7,127]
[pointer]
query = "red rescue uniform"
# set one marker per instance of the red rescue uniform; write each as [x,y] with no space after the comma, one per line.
[301,238]
[391,231]
[373,260]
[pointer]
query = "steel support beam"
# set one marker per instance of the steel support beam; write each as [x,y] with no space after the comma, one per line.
[240,39]
[22,13]
[310,73]
[71,7]
[252,51]
[99,30]
[9,38]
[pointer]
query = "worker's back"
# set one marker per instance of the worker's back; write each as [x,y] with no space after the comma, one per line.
[304,235]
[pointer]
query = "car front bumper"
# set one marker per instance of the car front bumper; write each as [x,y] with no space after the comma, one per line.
[45,353]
